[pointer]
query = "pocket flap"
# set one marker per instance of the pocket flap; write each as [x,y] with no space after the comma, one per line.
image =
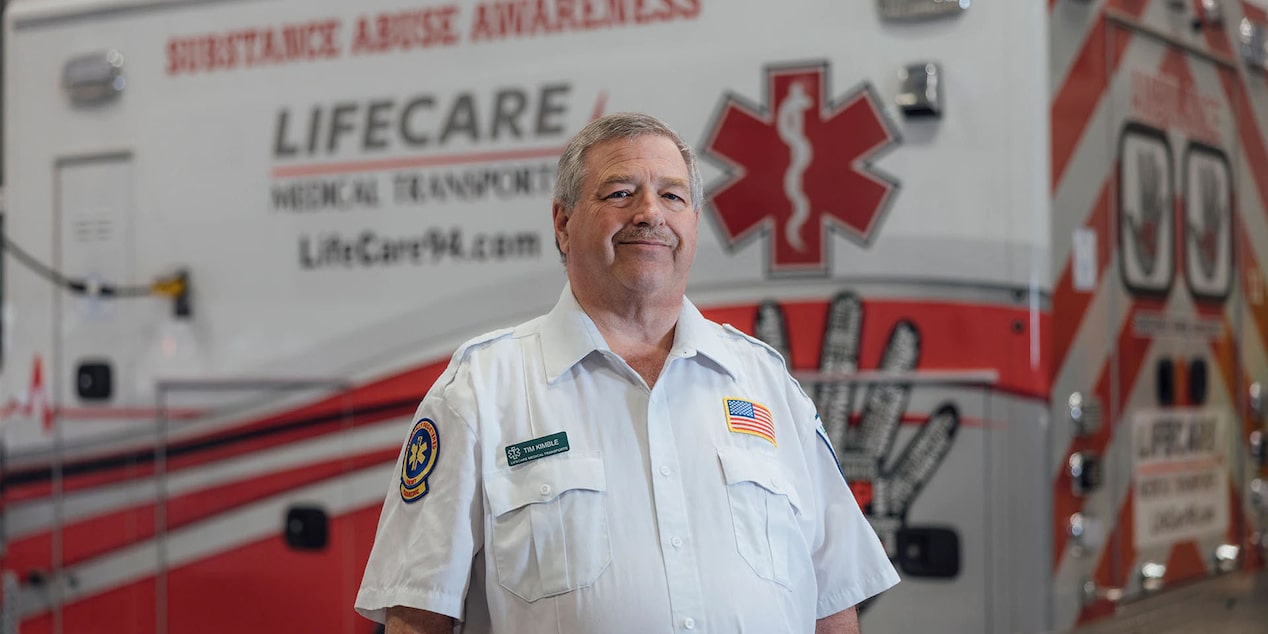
[741,465]
[541,481]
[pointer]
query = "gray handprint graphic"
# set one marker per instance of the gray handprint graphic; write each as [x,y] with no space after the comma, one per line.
[1206,234]
[1145,222]
[884,485]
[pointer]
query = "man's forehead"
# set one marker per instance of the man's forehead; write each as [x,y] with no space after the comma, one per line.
[605,159]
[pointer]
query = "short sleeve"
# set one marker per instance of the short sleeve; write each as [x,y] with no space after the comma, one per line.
[849,562]
[431,526]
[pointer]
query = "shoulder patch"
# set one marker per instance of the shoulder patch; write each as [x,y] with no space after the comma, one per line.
[421,454]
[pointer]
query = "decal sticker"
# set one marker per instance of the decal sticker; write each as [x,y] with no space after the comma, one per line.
[1208,218]
[1146,190]
[420,460]
[1179,479]
[885,476]
[800,166]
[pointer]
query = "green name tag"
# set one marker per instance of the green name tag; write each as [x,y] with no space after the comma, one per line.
[530,450]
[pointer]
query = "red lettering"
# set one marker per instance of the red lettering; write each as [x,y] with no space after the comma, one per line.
[248,37]
[641,13]
[513,18]
[362,41]
[382,31]
[293,37]
[448,18]
[205,47]
[481,27]
[225,57]
[269,50]
[541,19]
[173,57]
[250,47]
[566,14]
[500,19]
[407,30]
[588,18]
[329,47]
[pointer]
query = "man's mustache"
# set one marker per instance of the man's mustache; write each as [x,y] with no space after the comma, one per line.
[647,234]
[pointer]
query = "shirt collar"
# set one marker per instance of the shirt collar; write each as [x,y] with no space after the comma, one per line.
[569,335]
[695,334]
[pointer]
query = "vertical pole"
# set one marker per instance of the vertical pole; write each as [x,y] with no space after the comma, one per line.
[160,513]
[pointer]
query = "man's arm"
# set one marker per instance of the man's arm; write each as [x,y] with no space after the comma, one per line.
[403,620]
[844,622]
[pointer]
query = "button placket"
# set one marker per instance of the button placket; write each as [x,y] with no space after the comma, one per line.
[682,572]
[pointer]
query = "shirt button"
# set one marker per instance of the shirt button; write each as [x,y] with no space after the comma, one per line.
[689,623]
[676,542]
[545,490]
[665,470]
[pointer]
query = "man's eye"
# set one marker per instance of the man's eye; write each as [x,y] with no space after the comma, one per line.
[619,194]
[674,197]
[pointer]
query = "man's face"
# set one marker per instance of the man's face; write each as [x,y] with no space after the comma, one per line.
[633,228]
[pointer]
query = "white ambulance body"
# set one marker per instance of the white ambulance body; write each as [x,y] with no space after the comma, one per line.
[1014,250]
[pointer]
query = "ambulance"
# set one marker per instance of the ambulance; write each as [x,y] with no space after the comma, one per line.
[1015,251]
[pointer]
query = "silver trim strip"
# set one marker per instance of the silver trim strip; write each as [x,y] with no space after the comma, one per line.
[56,17]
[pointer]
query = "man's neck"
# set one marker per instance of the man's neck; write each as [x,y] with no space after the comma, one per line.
[639,330]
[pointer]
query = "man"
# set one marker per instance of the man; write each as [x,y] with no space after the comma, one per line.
[621,464]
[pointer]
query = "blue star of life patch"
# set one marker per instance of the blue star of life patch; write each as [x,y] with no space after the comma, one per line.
[420,458]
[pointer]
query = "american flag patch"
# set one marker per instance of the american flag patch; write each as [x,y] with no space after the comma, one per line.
[746,417]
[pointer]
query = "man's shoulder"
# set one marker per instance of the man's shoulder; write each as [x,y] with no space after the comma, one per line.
[493,341]
[747,344]
[481,342]
[472,354]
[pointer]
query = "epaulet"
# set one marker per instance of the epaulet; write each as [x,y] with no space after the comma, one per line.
[465,349]
[740,334]
[478,342]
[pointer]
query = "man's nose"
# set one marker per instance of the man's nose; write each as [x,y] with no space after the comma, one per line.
[649,211]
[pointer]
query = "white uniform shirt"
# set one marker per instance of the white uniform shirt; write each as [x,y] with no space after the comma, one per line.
[671,509]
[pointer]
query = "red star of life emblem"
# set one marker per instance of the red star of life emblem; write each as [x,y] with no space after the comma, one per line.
[800,166]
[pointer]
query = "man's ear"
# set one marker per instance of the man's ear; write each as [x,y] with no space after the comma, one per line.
[559,215]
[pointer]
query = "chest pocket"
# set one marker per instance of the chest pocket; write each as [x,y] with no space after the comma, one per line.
[764,510]
[550,525]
